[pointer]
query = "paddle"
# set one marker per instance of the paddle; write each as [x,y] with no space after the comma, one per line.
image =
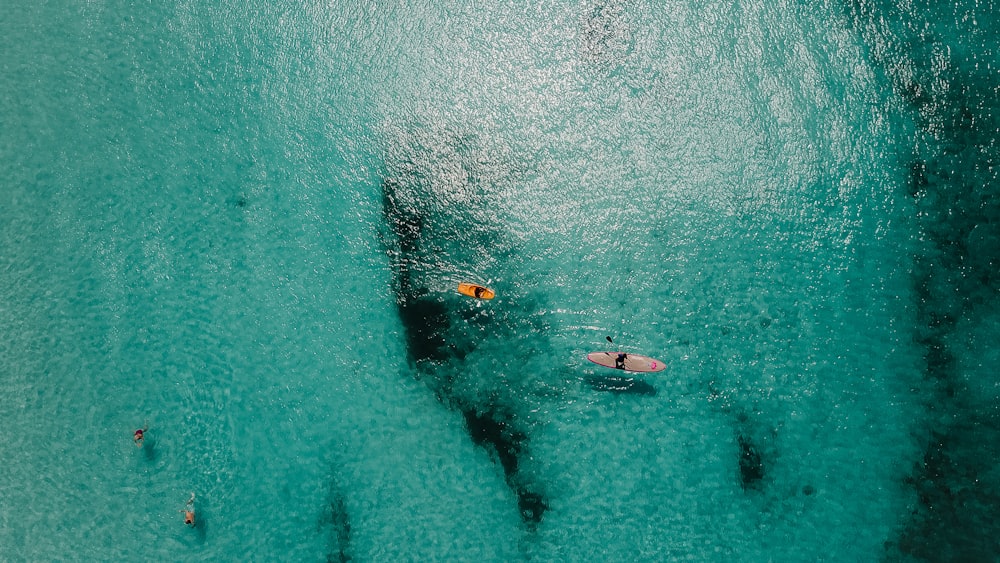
[620,362]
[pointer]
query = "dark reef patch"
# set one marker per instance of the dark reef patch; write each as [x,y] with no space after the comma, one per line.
[341,530]
[426,321]
[755,442]
[751,466]
[493,430]
[441,225]
[338,520]
[933,54]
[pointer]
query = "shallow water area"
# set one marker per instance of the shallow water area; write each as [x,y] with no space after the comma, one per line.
[243,226]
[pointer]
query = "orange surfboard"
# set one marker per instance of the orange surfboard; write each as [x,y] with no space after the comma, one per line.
[477,291]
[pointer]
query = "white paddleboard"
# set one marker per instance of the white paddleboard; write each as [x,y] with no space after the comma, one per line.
[632,362]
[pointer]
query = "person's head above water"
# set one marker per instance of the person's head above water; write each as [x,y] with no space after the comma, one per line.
[188,511]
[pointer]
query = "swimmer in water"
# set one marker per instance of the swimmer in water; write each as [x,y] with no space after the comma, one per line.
[188,511]
[139,435]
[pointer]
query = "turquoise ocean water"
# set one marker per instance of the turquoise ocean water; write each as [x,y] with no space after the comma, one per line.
[241,224]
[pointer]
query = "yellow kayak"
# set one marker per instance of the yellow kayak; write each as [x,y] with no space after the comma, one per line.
[477,291]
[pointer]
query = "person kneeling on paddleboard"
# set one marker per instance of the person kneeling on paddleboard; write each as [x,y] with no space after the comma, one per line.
[620,360]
